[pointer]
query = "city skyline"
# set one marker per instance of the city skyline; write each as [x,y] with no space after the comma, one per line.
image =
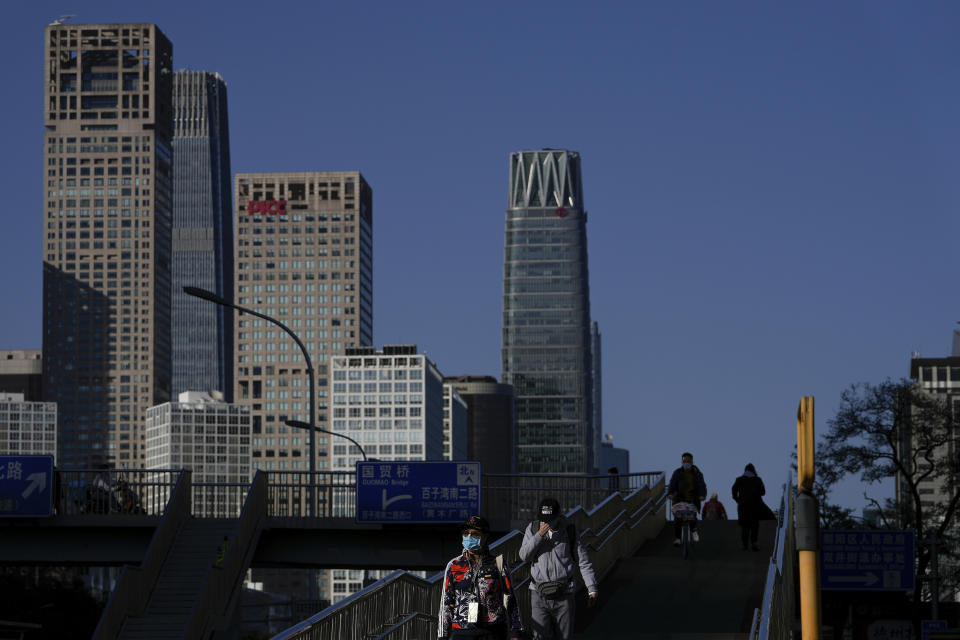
[762,181]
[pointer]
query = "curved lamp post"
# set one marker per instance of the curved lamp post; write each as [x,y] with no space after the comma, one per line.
[300,424]
[209,296]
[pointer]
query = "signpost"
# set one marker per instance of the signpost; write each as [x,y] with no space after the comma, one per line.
[417,492]
[867,560]
[26,486]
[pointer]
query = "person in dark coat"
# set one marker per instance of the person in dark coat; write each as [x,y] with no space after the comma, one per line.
[687,485]
[748,491]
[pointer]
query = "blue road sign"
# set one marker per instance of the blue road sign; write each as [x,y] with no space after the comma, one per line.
[867,560]
[417,492]
[26,486]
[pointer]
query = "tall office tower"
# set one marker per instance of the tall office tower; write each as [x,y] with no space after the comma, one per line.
[304,257]
[546,313]
[596,373]
[491,421]
[27,428]
[106,268]
[21,371]
[202,333]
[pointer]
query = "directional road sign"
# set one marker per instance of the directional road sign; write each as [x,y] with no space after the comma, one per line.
[26,486]
[417,492]
[867,560]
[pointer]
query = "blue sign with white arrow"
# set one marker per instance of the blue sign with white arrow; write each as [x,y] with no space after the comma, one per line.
[867,559]
[417,492]
[26,486]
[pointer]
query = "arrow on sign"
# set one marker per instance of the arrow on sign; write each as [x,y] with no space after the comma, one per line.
[867,580]
[38,481]
[387,503]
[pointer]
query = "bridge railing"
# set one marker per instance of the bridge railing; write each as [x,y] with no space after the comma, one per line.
[403,606]
[774,619]
[113,491]
[514,497]
[288,493]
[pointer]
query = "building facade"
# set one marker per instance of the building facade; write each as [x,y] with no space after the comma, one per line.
[27,428]
[202,245]
[393,402]
[21,371]
[107,179]
[455,444]
[939,376]
[546,313]
[596,375]
[210,437]
[304,257]
[491,421]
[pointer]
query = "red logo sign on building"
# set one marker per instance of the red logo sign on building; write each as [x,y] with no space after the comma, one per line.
[267,207]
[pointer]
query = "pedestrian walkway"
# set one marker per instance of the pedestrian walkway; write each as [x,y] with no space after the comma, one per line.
[656,594]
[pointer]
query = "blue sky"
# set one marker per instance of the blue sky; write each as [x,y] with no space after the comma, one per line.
[772,188]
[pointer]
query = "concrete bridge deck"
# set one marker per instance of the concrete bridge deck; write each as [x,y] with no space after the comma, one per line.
[656,594]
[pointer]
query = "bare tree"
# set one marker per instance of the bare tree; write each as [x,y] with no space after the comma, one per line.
[897,430]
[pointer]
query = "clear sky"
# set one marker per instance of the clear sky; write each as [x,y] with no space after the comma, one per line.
[772,187]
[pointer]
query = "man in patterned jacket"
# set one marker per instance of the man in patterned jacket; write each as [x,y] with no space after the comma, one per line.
[477,594]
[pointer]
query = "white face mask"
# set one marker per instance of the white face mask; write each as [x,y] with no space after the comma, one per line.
[687,466]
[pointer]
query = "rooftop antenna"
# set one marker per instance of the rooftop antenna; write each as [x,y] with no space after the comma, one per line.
[62,19]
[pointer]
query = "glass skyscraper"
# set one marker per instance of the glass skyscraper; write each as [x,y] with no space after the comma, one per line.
[546,313]
[202,333]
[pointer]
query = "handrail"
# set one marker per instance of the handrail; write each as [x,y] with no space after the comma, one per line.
[774,619]
[220,587]
[617,526]
[132,592]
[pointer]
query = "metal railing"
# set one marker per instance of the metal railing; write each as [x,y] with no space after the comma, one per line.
[774,619]
[113,491]
[514,497]
[402,606]
[288,493]
[219,499]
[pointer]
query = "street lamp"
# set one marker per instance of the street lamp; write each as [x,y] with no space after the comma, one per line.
[299,424]
[203,294]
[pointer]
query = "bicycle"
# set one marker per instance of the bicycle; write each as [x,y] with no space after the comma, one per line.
[686,513]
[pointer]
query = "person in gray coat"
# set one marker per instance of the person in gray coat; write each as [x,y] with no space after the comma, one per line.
[553,548]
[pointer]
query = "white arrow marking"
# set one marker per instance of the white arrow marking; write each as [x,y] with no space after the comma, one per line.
[868,580]
[35,479]
[387,503]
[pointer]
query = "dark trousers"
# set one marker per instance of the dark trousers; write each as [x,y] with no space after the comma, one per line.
[749,529]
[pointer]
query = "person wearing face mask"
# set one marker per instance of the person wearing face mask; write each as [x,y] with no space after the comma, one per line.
[554,550]
[477,599]
[687,485]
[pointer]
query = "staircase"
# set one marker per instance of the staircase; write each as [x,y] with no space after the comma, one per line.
[181,580]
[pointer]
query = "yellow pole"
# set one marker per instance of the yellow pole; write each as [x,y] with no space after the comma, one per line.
[807,529]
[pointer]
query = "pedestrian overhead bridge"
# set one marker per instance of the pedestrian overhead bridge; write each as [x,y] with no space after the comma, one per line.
[186,547]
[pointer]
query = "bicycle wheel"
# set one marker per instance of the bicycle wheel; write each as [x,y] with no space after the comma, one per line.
[685,540]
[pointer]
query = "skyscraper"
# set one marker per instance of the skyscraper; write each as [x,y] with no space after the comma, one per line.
[202,333]
[546,313]
[304,257]
[106,245]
